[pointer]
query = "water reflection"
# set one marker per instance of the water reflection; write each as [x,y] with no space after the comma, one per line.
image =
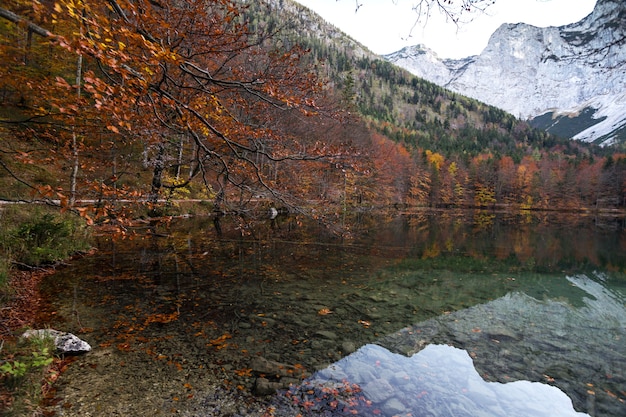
[438,381]
[179,306]
[440,367]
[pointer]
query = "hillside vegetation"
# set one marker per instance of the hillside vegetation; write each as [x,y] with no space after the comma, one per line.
[464,152]
[264,104]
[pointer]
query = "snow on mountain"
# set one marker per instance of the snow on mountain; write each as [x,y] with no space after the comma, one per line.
[570,80]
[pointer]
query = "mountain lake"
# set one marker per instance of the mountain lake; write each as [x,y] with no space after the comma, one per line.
[430,313]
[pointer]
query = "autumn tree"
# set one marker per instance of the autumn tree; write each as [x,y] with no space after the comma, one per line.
[184,87]
[31,97]
[393,169]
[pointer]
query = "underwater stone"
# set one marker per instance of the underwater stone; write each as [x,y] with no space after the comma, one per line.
[378,390]
[348,347]
[326,334]
[393,407]
[264,366]
[264,386]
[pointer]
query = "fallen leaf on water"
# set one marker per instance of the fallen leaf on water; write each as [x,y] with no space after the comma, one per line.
[124,347]
[324,312]
[244,372]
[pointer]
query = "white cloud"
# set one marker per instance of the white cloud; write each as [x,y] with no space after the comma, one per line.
[386,26]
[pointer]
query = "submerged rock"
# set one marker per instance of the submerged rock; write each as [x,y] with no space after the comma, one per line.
[273,369]
[63,341]
[264,386]
[348,347]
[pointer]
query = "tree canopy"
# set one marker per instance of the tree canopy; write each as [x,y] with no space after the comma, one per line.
[185,86]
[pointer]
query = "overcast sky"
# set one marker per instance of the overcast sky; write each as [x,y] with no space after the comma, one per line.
[384,26]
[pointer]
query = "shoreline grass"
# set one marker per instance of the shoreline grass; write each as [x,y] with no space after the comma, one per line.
[33,239]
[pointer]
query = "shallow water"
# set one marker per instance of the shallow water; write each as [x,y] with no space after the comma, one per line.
[186,320]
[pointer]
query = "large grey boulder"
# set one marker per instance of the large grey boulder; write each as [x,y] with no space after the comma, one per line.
[64,342]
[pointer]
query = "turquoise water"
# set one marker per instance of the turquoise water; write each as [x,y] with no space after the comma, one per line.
[429,314]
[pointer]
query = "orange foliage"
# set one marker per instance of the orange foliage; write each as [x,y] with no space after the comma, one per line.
[161,318]
[25,302]
[125,89]
[393,169]
[221,342]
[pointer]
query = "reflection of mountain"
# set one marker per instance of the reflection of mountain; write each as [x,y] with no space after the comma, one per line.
[440,380]
[576,343]
[574,340]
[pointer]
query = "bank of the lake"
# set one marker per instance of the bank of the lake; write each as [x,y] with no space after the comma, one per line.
[33,241]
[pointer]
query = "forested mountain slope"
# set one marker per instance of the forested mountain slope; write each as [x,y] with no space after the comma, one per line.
[458,143]
[464,151]
[407,107]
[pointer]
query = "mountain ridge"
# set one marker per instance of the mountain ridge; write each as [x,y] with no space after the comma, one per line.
[550,68]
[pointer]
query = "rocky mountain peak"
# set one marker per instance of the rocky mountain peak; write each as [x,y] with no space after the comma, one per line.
[570,80]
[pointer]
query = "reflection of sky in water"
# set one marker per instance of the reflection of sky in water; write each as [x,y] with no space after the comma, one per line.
[514,339]
[606,307]
[441,380]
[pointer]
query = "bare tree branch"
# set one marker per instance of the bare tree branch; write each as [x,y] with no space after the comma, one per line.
[12,17]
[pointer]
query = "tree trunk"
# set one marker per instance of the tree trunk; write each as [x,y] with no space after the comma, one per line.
[75,162]
[157,175]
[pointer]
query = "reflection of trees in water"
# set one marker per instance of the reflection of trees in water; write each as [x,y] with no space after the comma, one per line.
[551,241]
[443,239]
[265,291]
